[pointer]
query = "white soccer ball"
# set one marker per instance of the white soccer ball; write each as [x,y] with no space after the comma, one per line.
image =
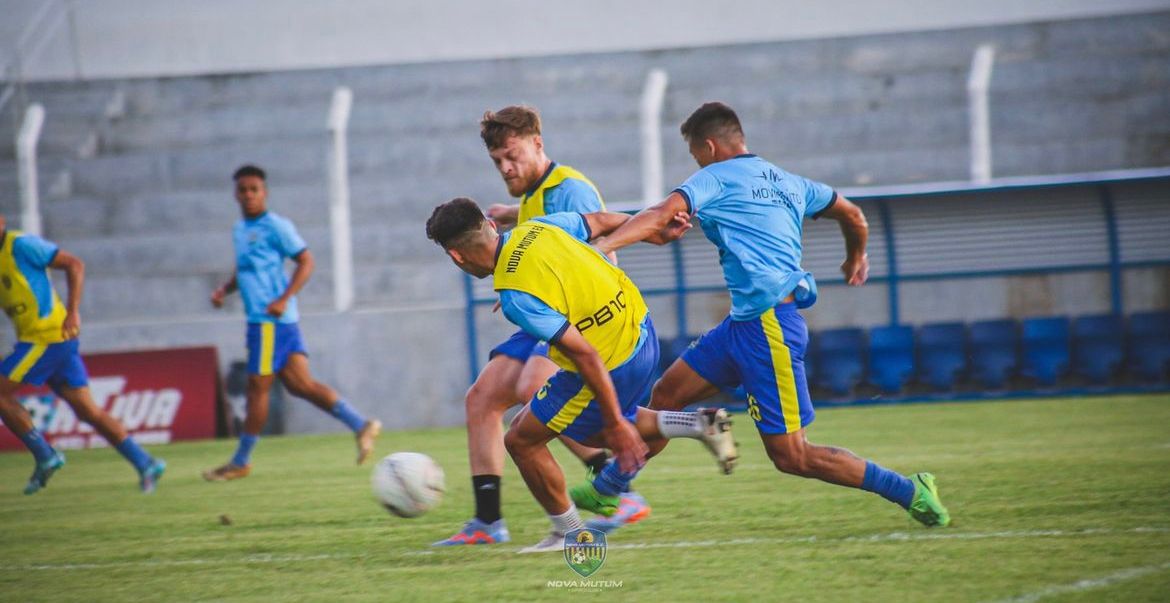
[408,484]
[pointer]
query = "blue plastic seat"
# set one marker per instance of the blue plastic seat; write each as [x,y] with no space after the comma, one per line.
[1046,349]
[891,357]
[994,352]
[839,365]
[1098,347]
[1149,344]
[942,354]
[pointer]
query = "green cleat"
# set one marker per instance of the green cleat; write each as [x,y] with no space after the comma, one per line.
[587,497]
[42,473]
[926,507]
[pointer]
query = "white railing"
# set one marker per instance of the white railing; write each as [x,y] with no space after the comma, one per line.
[26,168]
[978,92]
[653,95]
[339,199]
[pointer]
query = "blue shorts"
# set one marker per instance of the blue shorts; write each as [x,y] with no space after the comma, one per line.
[567,407]
[59,364]
[520,346]
[766,356]
[270,344]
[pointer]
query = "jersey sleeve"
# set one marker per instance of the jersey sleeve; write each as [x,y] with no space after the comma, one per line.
[572,223]
[35,251]
[532,315]
[572,195]
[701,188]
[288,240]
[817,197]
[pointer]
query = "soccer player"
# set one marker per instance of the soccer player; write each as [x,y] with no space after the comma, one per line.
[520,365]
[752,211]
[47,352]
[263,241]
[557,288]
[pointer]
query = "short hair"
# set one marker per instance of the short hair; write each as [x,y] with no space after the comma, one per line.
[249,170]
[455,223]
[711,120]
[513,120]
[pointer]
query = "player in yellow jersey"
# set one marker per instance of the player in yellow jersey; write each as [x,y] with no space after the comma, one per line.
[520,365]
[46,351]
[558,289]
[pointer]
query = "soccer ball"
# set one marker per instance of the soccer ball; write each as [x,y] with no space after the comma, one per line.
[408,484]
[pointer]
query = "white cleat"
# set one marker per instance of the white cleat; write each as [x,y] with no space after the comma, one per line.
[554,542]
[718,439]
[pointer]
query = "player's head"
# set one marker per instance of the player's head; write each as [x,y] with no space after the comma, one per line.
[459,227]
[512,136]
[713,133]
[251,190]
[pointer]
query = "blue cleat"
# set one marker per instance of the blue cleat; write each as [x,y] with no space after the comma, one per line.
[478,532]
[148,479]
[631,510]
[42,473]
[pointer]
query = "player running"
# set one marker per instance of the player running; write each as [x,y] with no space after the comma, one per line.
[263,241]
[520,365]
[47,352]
[752,211]
[557,288]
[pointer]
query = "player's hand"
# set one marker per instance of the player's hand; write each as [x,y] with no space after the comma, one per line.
[856,270]
[277,307]
[501,214]
[679,224]
[627,446]
[218,296]
[71,328]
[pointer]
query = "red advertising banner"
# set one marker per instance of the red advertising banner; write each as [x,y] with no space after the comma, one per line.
[158,395]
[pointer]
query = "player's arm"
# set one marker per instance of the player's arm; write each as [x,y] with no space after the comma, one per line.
[620,436]
[856,232]
[503,215]
[304,261]
[659,225]
[74,270]
[227,288]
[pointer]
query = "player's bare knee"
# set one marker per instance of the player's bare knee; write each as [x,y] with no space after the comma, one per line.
[791,460]
[514,442]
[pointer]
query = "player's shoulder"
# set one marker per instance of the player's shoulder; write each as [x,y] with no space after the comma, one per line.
[568,175]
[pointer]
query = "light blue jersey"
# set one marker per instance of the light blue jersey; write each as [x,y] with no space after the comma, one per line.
[753,212]
[262,246]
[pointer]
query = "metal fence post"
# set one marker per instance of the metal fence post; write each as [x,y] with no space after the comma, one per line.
[653,95]
[26,171]
[339,199]
[978,91]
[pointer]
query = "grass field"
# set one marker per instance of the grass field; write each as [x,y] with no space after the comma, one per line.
[1064,500]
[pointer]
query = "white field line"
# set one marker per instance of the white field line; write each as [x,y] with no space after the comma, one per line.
[681,544]
[1124,575]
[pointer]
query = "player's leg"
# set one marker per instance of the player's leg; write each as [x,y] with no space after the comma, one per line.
[527,443]
[299,381]
[17,419]
[81,401]
[261,343]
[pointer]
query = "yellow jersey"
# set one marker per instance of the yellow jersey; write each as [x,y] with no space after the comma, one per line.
[26,292]
[561,189]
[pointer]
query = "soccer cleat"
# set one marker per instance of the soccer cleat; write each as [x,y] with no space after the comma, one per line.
[631,510]
[476,531]
[227,473]
[365,439]
[718,439]
[926,507]
[554,542]
[43,471]
[587,497]
[148,479]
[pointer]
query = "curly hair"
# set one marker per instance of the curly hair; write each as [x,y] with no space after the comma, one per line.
[513,120]
[455,222]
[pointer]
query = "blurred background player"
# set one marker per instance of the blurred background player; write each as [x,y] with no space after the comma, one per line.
[519,366]
[752,211]
[263,241]
[47,352]
[558,289]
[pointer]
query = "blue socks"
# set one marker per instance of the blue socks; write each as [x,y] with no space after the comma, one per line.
[612,482]
[244,451]
[346,414]
[888,484]
[35,442]
[135,454]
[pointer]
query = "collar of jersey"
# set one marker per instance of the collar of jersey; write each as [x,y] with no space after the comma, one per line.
[744,156]
[262,214]
[551,166]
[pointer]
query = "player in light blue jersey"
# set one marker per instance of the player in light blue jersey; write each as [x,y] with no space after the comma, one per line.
[263,242]
[752,211]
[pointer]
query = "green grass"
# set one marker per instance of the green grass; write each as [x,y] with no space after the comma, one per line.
[1044,494]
